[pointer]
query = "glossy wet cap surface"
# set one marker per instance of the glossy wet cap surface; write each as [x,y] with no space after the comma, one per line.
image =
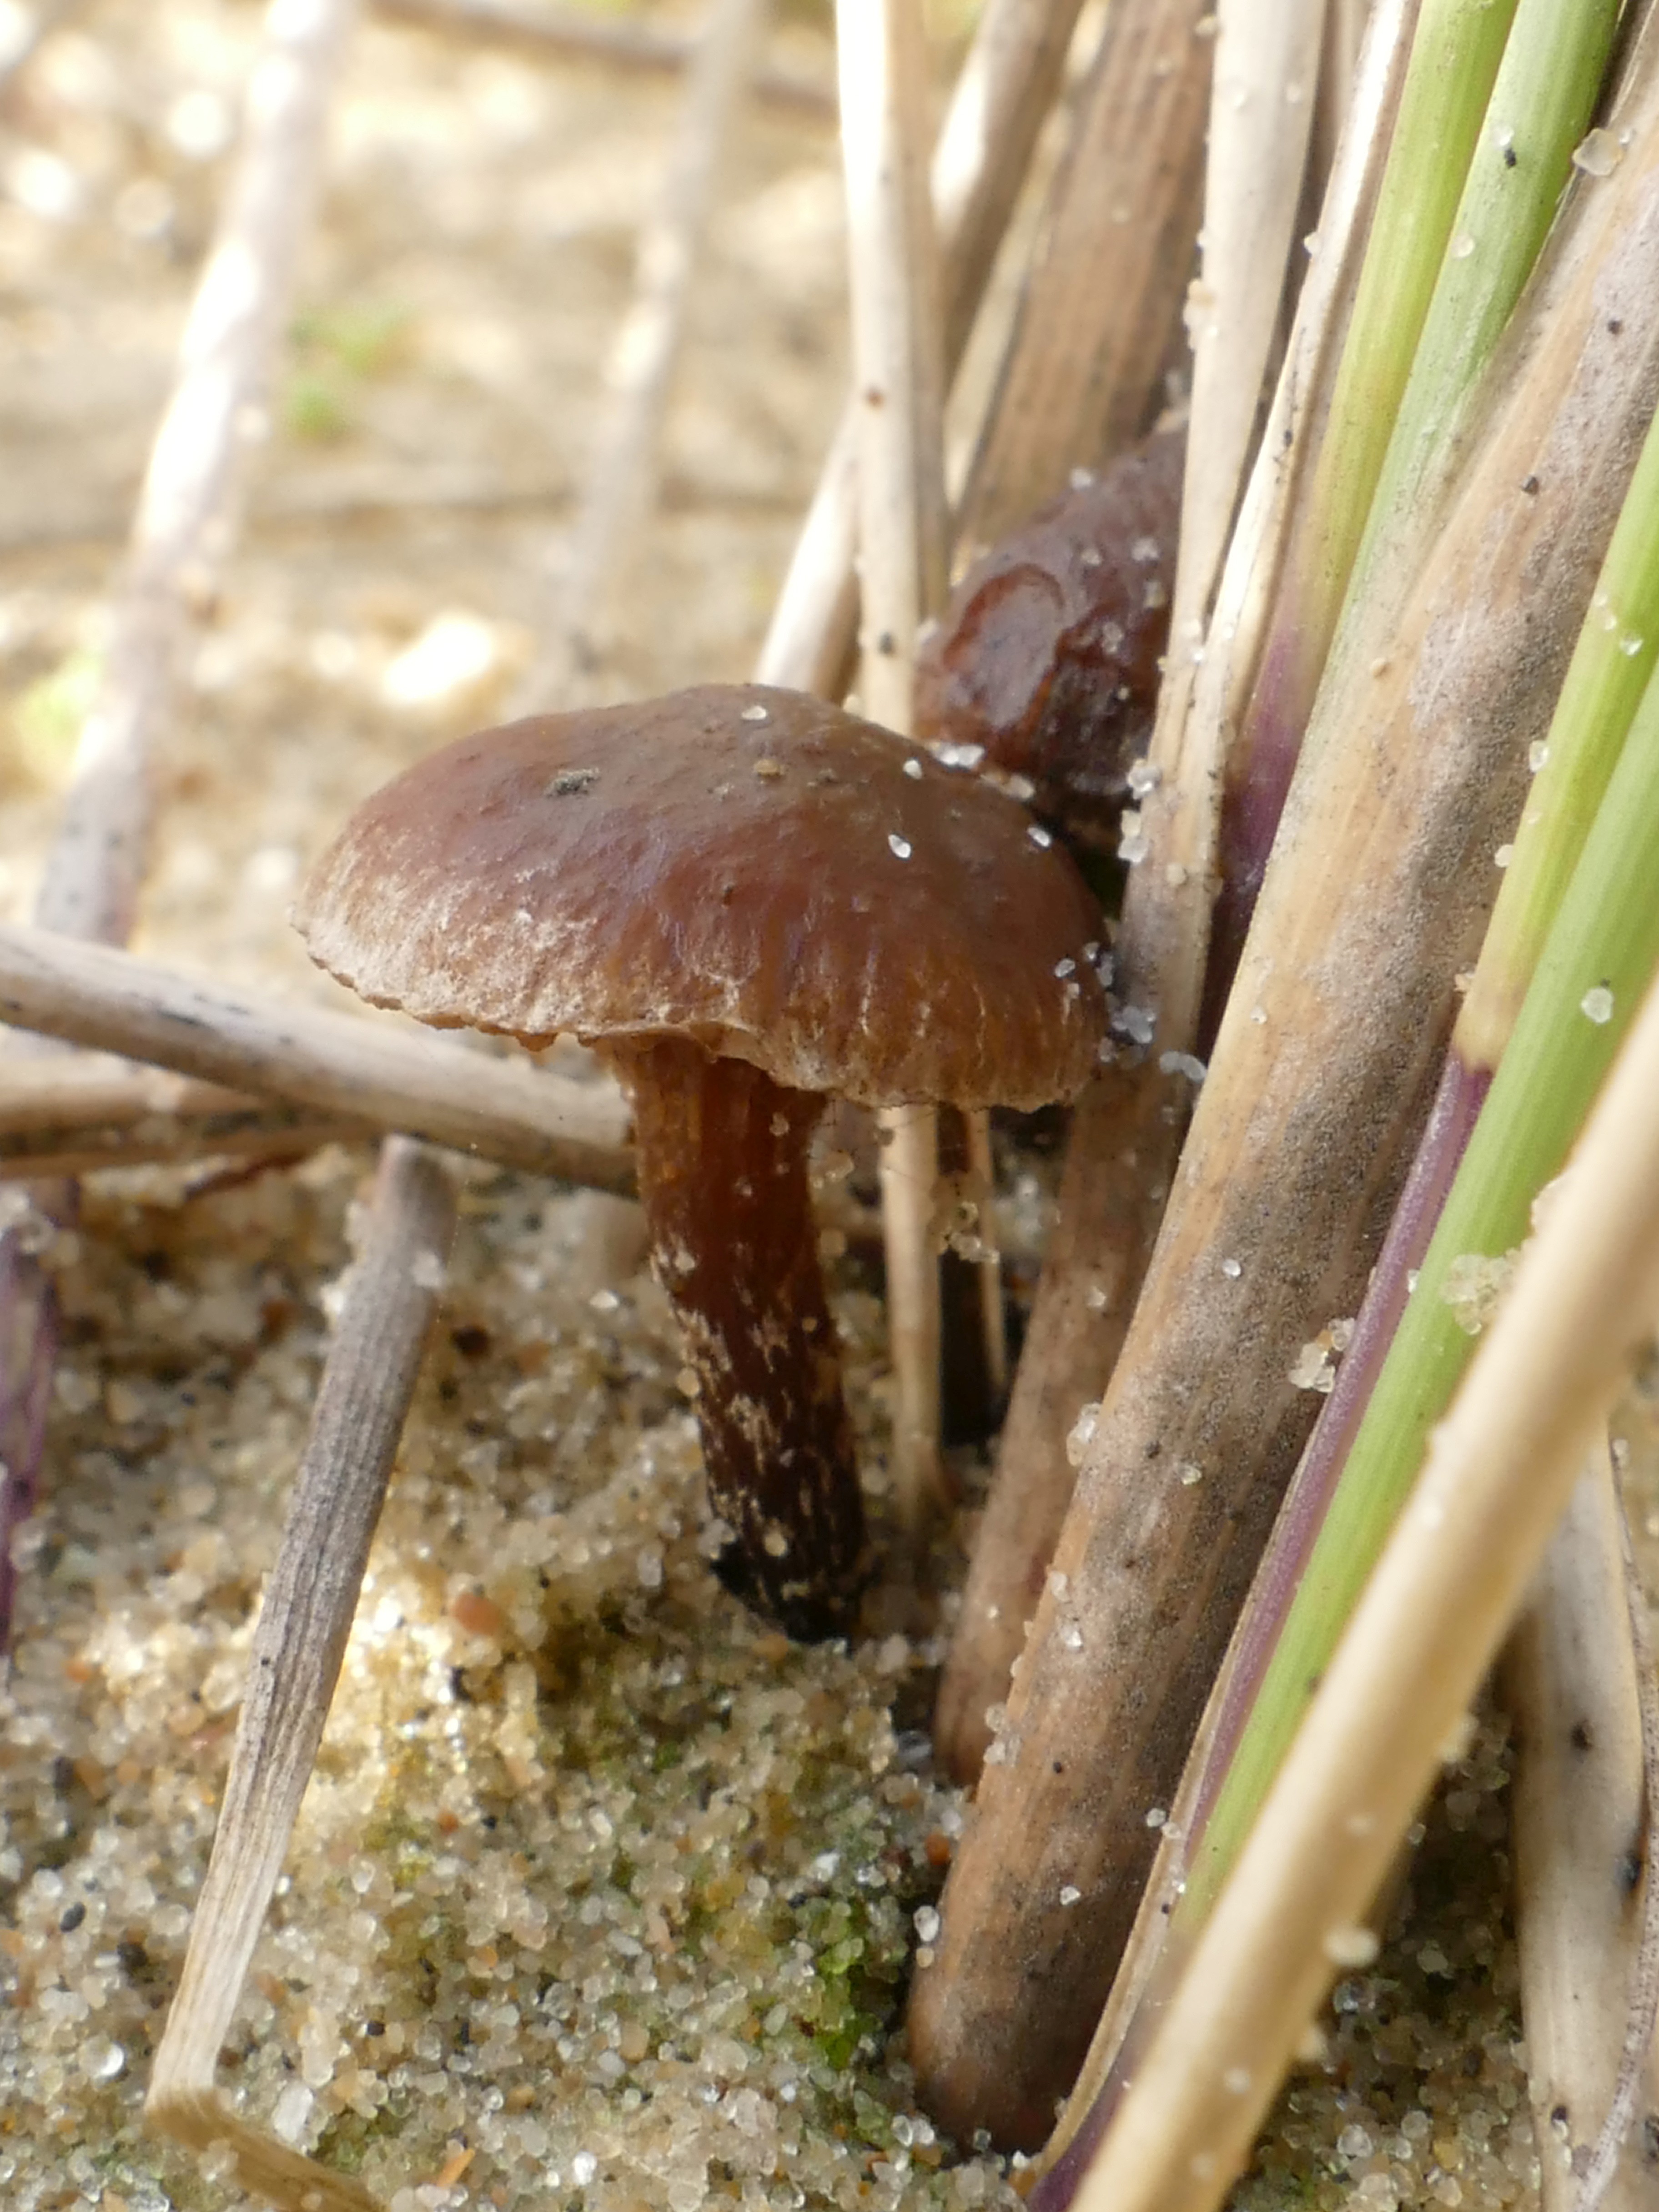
[748,866]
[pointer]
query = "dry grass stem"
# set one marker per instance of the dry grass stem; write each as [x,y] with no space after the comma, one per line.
[1124,1144]
[898,377]
[543,27]
[1101,314]
[646,351]
[1570,1680]
[1007,84]
[1322,1073]
[1262,106]
[392,1291]
[1499,1472]
[375,1074]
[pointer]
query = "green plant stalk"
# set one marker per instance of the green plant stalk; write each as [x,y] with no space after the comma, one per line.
[1605,940]
[1614,657]
[1540,104]
[1617,650]
[1455,57]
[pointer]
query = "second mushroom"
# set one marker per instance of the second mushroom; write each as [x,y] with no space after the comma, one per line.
[747,902]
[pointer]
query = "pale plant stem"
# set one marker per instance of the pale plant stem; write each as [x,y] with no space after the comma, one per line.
[646,352]
[310,1599]
[1640,1989]
[1261,106]
[1006,88]
[1500,1472]
[899,378]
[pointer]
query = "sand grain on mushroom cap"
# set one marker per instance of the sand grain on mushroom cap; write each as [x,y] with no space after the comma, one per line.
[703,887]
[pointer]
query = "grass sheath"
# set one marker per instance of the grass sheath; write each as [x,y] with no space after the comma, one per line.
[1569,1681]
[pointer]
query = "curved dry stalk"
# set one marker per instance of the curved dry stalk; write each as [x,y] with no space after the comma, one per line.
[375,1074]
[1126,1129]
[1322,1074]
[1500,1470]
[391,1293]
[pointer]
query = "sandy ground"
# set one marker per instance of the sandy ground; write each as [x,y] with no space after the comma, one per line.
[602,1897]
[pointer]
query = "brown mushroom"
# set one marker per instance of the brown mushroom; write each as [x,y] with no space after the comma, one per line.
[1047,662]
[747,901]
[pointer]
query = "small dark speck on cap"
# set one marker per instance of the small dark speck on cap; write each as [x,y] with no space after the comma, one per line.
[571,782]
[1529,486]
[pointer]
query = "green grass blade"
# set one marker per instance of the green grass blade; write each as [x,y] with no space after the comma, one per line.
[1596,961]
[1540,104]
[1454,61]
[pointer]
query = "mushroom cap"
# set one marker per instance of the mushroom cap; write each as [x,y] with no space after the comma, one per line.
[1048,656]
[747,867]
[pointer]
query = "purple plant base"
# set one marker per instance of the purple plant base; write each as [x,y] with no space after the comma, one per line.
[1445,1137]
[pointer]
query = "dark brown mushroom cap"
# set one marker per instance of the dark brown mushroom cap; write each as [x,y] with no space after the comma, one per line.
[749,867]
[1049,657]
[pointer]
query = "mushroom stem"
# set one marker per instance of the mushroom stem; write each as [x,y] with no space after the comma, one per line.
[722,1156]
